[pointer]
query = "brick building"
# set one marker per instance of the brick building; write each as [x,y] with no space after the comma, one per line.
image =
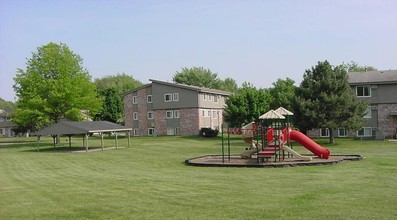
[379,89]
[163,108]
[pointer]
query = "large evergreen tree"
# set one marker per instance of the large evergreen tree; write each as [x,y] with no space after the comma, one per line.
[325,100]
[54,86]
[246,105]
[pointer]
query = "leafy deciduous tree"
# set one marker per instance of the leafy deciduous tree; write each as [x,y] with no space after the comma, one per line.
[228,85]
[54,86]
[325,100]
[197,76]
[112,107]
[354,67]
[121,83]
[246,105]
[283,93]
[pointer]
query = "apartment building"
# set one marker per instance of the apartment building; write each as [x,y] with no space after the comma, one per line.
[379,89]
[163,108]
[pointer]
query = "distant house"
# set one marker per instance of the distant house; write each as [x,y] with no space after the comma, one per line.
[379,89]
[163,108]
[6,125]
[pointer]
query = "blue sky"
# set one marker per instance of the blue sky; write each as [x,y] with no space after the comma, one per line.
[248,40]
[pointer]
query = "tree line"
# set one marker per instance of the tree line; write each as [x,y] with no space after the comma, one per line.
[56,86]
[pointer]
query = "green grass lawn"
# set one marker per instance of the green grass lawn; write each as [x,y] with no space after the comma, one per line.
[149,180]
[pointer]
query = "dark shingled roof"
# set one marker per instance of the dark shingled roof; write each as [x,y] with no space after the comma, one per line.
[373,77]
[82,127]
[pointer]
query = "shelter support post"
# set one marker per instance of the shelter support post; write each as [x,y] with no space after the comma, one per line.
[86,142]
[116,141]
[38,143]
[101,135]
[129,136]
[70,140]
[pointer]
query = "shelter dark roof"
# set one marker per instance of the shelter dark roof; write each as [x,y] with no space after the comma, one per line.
[82,127]
[373,77]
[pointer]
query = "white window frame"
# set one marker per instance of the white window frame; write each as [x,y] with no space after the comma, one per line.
[177,131]
[344,133]
[368,112]
[365,134]
[216,98]
[363,91]
[208,113]
[151,131]
[203,113]
[135,116]
[326,132]
[170,131]
[149,99]
[135,132]
[204,96]
[134,99]
[175,97]
[171,114]
[168,99]
[209,97]
[176,113]
[150,113]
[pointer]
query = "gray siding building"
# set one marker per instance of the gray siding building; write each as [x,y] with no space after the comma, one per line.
[163,108]
[379,89]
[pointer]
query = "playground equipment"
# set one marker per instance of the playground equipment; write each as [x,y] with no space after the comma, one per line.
[271,136]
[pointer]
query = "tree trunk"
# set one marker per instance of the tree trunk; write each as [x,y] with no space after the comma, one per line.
[331,136]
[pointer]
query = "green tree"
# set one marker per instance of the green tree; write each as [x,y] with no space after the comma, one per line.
[54,86]
[354,67]
[325,100]
[122,83]
[197,76]
[246,105]
[7,106]
[228,85]
[112,106]
[283,93]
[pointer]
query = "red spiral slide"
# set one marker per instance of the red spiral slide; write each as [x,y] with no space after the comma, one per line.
[309,144]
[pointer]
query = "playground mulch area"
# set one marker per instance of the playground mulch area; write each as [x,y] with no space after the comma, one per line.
[237,161]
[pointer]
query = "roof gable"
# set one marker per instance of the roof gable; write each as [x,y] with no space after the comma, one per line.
[194,88]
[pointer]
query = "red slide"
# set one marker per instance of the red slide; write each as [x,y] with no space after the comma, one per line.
[309,144]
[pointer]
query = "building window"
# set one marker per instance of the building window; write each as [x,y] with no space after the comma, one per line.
[177,131]
[167,97]
[204,96]
[150,115]
[364,132]
[170,131]
[169,114]
[210,97]
[136,132]
[324,132]
[209,113]
[342,132]
[203,113]
[368,112]
[363,91]
[149,99]
[216,97]
[150,131]
[135,116]
[175,97]
[176,114]
[134,100]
